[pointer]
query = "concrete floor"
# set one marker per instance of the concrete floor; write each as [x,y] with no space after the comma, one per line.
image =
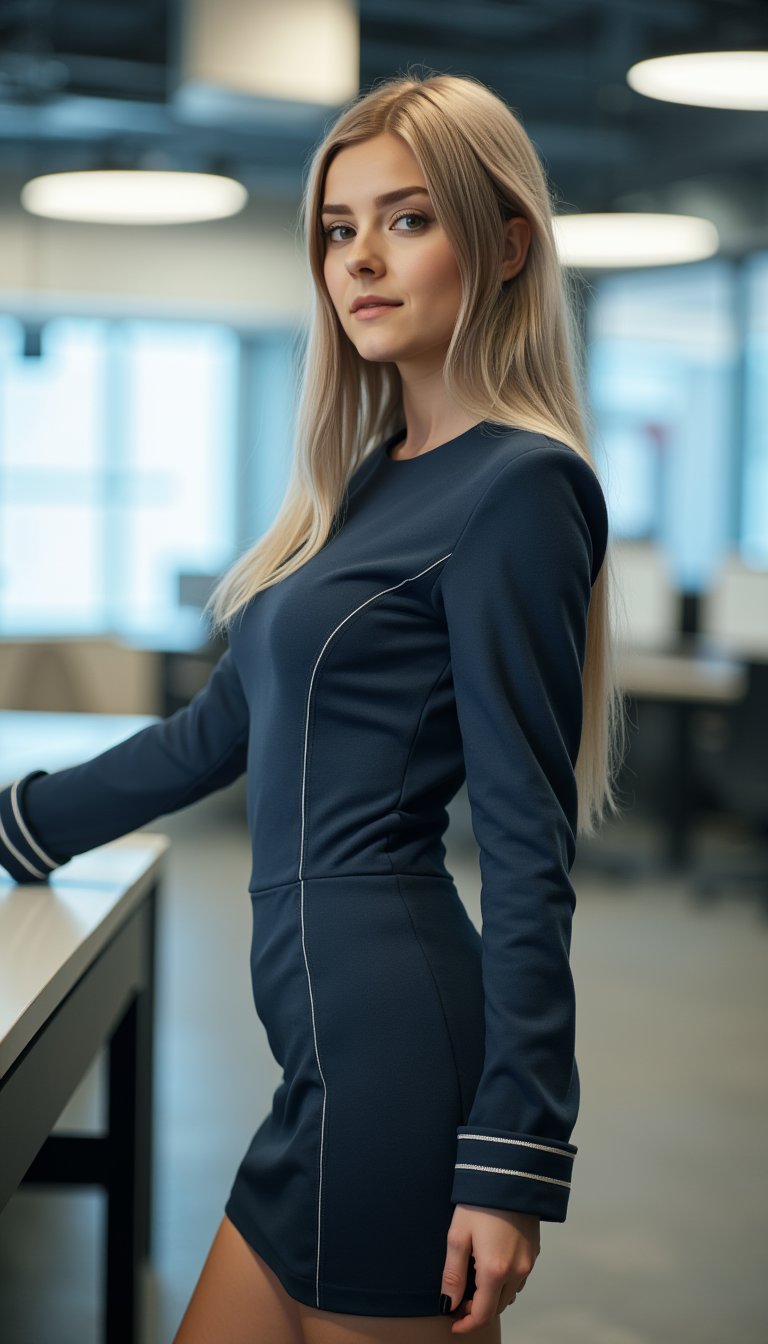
[666,1236]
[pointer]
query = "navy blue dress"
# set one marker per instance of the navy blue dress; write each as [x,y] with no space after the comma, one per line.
[438,635]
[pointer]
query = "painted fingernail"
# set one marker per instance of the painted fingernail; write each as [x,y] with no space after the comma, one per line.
[445,1304]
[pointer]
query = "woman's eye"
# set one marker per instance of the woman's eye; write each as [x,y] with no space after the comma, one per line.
[407,214]
[332,229]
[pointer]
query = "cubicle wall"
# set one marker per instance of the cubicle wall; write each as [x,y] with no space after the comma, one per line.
[81,676]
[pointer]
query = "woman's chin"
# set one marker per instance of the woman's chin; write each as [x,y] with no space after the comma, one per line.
[377,352]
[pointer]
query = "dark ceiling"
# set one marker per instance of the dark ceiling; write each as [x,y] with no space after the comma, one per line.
[91,81]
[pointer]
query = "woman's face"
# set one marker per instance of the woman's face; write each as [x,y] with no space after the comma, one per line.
[395,249]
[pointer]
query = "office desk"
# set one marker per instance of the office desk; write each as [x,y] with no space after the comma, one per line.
[684,679]
[77,973]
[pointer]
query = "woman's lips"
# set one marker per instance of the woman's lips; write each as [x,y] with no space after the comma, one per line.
[375,311]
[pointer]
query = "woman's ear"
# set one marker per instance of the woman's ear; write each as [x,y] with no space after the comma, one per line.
[517,241]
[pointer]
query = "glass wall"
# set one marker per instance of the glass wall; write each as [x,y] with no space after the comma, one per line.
[124,445]
[664,362]
[754,481]
[134,451]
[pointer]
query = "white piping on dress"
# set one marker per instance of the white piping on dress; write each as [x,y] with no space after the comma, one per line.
[522,1143]
[25,829]
[509,1171]
[6,839]
[366,603]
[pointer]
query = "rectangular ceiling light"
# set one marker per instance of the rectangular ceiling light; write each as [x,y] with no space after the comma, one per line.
[233,53]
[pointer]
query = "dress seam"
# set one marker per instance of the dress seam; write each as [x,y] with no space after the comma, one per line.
[280,1265]
[309,732]
[310,715]
[305,776]
[349,877]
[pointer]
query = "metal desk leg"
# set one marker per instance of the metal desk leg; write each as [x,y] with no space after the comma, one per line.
[113,1004]
[677,847]
[129,1160]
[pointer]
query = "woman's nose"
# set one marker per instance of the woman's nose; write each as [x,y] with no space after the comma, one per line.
[364,262]
[363,256]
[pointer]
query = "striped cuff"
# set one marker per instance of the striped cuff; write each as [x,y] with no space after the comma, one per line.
[21,853]
[520,1172]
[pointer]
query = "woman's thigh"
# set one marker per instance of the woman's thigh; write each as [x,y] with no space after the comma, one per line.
[330,1327]
[238,1299]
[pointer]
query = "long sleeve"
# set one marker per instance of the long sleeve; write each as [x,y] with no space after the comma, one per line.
[515,595]
[48,817]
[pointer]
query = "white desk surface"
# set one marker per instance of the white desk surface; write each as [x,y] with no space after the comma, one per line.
[50,934]
[681,676]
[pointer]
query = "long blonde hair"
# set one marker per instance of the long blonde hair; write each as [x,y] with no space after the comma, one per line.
[515,358]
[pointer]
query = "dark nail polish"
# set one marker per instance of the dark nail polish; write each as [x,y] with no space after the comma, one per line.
[445,1304]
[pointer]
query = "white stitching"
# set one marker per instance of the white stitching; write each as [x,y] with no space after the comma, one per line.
[25,829]
[368,600]
[523,1143]
[509,1171]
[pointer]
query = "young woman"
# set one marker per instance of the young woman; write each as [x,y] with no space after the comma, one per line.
[431,603]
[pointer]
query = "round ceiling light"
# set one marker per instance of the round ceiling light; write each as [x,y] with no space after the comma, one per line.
[133,196]
[735,79]
[615,240]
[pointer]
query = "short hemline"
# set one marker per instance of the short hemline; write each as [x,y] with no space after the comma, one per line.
[333,1297]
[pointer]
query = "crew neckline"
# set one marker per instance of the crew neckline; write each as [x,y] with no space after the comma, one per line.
[394,439]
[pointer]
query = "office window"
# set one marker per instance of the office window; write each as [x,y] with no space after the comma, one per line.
[50,420]
[117,464]
[663,356]
[754,496]
[179,387]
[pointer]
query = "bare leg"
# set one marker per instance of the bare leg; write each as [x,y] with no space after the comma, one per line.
[238,1299]
[332,1327]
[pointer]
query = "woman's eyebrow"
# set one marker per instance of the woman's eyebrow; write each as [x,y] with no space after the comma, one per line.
[388,198]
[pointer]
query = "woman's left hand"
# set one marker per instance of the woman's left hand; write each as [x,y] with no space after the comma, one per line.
[505,1246]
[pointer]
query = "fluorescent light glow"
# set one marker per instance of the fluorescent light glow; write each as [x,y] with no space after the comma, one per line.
[133,196]
[737,79]
[300,51]
[622,240]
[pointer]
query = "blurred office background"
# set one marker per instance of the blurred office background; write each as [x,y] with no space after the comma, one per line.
[147,394]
